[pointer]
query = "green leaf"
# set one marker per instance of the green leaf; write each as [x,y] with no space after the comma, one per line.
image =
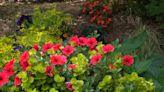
[53,90]
[142,66]
[133,43]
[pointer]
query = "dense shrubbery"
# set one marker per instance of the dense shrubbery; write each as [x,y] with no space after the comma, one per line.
[76,66]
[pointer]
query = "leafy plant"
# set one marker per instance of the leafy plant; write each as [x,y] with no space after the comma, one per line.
[98,13]
[52,21]
[7,50]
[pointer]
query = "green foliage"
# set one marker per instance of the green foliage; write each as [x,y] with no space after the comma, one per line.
[133,83]
[6,50]
[152,9]
[31,38]
[133,43]
[51,21]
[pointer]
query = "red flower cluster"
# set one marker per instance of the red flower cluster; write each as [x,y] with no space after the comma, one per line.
[7,72]
[90,42]
[98,13]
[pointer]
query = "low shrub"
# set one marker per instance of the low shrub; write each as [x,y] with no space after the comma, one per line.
[52,21]
[79,65]
[7,50]
[98,13]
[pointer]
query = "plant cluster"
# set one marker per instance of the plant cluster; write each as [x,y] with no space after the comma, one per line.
[98,13]
[79,65]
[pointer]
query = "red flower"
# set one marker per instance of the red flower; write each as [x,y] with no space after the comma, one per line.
[58,59]
[102,22]
[24,60]
[128,60]
[46,47]
[24,57]
[107,48]
[82,41]
[86,3]
[91,42]
[90,6]
[93,49]
[17,81]
[3,78]
[72,66]
[69,86]
[84,9]
[49,71]
[56,47]
[96,59]
[10,63]
[109,12]
[68,50]
[91,12]
[106,7]
[35,47]
[98,21]
[100,16]
[74,39]
[109,19]
[9,71]
[24,65]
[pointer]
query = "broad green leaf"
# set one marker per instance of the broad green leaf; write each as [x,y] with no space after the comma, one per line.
[133,43]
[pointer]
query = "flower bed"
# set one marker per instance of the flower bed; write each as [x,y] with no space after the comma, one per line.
[79,65]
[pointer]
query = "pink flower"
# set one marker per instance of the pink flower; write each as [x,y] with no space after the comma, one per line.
[91,42]
[74,39]
[58,59]
[56,47]
[72,66]
[96,59]
[107,48]
[35,47]
[46,47]
[128,60]
[82,41]
[3,78]
[49,71]
[69,86]
[63,60]
[17,81]
[68,50]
